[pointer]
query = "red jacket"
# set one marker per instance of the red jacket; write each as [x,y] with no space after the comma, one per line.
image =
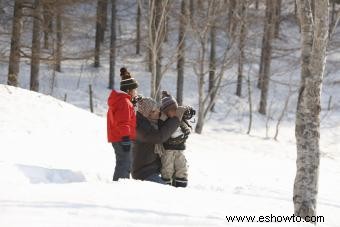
[121,117]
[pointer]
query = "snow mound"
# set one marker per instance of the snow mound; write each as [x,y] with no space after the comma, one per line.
[50,141]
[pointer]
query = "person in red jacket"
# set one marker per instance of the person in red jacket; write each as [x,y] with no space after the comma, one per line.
[121,123]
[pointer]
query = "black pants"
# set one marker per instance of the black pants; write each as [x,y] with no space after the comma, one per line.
[123,162]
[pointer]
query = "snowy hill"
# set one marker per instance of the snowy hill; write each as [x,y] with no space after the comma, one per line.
[56,170]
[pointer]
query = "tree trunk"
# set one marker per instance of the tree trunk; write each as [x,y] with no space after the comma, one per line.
[264,40]
[267,52]
[156,28]
[59,39]
[14,59]
[232,17]
[35,58]
[241,58]
[212,62]
[181,52]
[201,106]
[333,15]
[256,4]
[112,45]
[48,24]
[307,130]
[192,9]
[104,7]
[138,28]
[98,34]
[277,18]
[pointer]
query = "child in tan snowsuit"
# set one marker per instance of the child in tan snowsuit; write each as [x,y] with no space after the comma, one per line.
[174,164]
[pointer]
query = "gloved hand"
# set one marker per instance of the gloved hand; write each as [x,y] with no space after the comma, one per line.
[126,143]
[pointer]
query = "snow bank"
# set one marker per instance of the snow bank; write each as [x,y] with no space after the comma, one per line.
[50,141]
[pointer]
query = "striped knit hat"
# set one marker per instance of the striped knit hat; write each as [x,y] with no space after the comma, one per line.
[127,82]
[168,102]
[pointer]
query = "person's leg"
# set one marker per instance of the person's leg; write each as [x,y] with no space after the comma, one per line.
[155,178]
[168,166]
[123,162]
[181,170]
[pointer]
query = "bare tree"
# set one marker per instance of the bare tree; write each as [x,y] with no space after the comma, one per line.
[59,34]
[191,9]
[212,60]
[266,54]
[157,16]
[48,10]
[112,45]
[35,58]
[99,31]
[201,27]
[138,27]
[307,131]
[103,18]
[14,59]
[232,14]
[181,51]
[243,34]
[277,18]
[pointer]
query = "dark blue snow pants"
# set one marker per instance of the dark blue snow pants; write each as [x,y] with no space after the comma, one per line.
[123,162]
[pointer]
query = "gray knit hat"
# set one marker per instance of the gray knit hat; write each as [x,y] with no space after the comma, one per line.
[168,102]
[146,105]
[127,82]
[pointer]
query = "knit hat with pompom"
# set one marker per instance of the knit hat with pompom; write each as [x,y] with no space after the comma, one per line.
[127,82]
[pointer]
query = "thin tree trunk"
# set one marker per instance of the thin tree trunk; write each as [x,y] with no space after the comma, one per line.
[277,18]
[161,30]
[267,52]
[48,24]
[112,45]
[256,4]
[35,58]
[181,52]
[138,28]
[192,9]
[212,63]
[103,19]
[263,49]
[241,58]
[14,59]
[59,33]
[98,34]
[307,130]
[156,38]
[332,24]
[231,17]
[200,119]
[250,101]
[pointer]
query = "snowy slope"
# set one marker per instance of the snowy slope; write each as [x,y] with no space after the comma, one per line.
[56,168]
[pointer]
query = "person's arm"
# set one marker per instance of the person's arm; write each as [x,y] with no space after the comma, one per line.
[148,134]
[123,115]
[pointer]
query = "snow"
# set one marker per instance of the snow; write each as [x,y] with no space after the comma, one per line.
[56,171]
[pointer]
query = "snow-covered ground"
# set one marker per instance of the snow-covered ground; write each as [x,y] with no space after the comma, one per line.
[56,170]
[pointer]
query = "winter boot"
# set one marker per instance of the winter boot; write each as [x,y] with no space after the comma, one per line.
[180,182]
[167,181]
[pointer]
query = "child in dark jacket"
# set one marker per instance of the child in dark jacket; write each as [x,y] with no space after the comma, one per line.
[174,164]
[121,123]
